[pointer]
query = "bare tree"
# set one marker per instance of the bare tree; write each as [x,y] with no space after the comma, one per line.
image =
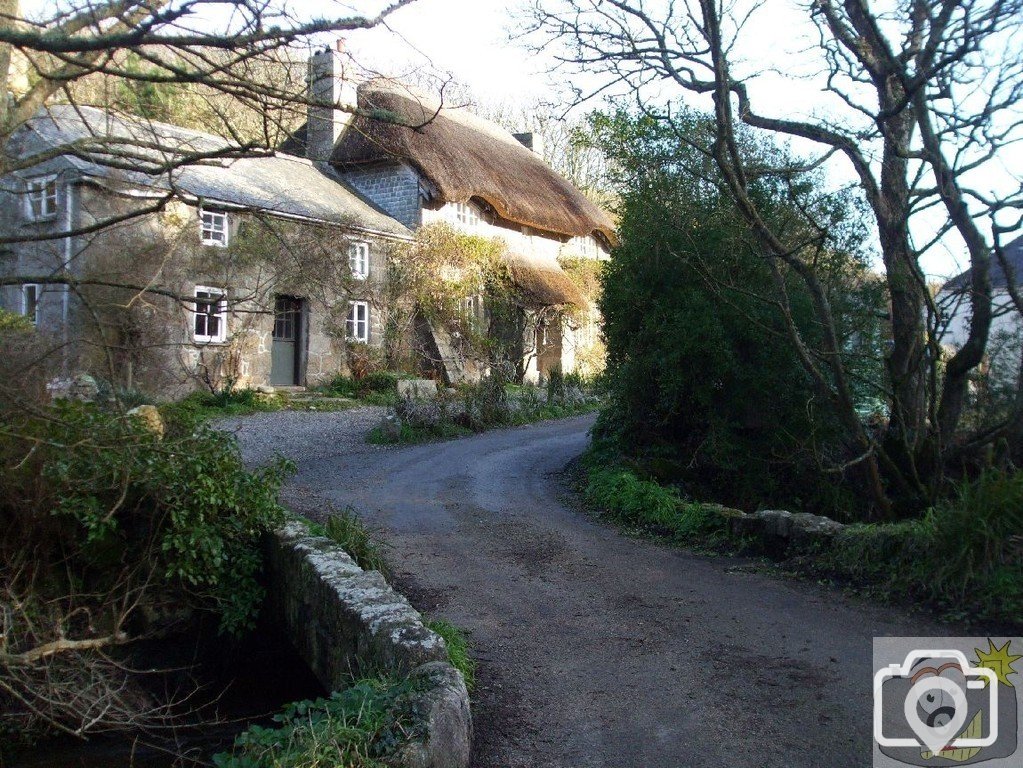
[242,55]
[929,93]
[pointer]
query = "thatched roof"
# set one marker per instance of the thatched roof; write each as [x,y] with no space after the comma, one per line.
[464,156]
[543,283]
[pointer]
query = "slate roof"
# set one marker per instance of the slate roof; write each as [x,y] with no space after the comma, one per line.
[1013,254]
[198,165]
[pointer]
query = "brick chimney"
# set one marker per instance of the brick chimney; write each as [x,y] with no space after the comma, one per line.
[328,89]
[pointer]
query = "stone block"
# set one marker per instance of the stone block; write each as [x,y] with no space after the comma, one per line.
[148,416]
[417,388]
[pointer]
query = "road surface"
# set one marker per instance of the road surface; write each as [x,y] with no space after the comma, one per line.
[597,649]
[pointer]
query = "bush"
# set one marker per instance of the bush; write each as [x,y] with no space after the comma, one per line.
[101,489]
[359,727]
[486,403]
[380,381]
[112,535]
[555,385]
[699,369]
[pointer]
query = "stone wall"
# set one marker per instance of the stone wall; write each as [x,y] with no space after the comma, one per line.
[779,531]
[342,619]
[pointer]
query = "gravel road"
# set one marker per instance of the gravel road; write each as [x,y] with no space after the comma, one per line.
[595,649]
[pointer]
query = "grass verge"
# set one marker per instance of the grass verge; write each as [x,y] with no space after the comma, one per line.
[458,650]
[963,559]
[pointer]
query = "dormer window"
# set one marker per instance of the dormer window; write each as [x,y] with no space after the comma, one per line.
[466,214]
[213,228]
[41,200]
[358,260]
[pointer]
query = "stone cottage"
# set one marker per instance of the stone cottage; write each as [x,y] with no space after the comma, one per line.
[204,267]
[163,258]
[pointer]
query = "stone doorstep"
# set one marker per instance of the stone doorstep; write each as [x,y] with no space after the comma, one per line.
[333,610]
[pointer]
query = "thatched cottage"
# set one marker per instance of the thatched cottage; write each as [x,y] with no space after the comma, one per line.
[428,163]
[191,264]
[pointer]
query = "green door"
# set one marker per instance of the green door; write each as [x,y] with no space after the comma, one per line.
[285,346]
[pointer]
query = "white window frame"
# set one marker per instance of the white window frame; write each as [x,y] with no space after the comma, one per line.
[358,260]
[586,246]
[465,214]
[214,228]
[220,313]
[42,198]
[357,329]
[36,290]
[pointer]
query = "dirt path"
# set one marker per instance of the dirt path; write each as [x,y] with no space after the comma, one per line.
[596,649]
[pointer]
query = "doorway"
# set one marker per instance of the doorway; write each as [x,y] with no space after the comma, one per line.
[285,353]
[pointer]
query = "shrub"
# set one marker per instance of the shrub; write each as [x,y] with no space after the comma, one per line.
[359,727]
[380,381]
[112,535]
[344,386]
[486,403]
[555,385]
[458,650]
[363,360]
[89,483]
[702,372]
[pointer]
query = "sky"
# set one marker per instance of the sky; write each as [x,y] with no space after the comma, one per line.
[470,41]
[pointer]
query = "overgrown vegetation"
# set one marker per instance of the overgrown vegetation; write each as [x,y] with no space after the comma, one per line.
[702,385]
[358,727]
[113,535]
[492,402]
[644,505]
[346,529]
[458,650]
[964,557]
[373,388]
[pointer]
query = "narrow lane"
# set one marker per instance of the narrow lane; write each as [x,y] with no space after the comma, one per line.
[597,649]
